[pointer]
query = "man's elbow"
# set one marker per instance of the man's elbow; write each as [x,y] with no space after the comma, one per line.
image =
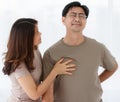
[115,68]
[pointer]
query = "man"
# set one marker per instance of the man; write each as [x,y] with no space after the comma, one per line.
[88,54]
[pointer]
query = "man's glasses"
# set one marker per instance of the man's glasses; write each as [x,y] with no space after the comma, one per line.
[79,15]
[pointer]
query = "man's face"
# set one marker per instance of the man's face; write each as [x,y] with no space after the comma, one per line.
[75,20]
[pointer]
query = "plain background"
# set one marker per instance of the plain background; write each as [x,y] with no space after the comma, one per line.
[103,24]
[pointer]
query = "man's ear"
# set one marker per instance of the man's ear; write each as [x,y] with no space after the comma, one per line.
[63,20]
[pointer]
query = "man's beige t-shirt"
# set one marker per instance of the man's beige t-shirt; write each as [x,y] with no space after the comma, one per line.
[84,85]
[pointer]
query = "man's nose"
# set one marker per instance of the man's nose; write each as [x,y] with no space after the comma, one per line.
[77,18]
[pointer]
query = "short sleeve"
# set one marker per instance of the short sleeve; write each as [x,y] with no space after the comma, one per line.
[108,61]
[21,71]
[48,64]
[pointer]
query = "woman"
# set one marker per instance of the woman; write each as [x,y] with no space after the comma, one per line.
[23,63]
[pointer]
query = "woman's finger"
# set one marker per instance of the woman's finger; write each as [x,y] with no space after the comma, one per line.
[68,61]
[70,69]
[68,73]
[70,65]
[61,60]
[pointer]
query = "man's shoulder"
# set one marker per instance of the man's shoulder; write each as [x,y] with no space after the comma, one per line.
[56,44]
[94,41]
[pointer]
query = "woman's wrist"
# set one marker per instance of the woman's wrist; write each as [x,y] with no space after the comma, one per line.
[54,72]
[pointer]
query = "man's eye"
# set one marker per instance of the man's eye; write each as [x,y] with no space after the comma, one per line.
[73,15]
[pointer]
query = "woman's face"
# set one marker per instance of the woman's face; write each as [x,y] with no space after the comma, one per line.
[37,36]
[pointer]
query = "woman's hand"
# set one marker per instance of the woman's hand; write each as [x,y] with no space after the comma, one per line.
[65,67]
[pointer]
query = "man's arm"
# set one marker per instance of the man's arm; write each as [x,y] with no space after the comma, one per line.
[47,67]
[106,74]
[48,96]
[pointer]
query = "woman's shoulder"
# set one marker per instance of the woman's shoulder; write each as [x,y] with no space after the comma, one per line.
[21,70]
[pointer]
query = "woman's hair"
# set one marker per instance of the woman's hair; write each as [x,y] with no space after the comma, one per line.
[75,4]
[20,45]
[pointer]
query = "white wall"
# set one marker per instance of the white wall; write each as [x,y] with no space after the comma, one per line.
[103,25]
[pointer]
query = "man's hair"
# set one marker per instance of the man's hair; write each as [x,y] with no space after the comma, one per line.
[75,4]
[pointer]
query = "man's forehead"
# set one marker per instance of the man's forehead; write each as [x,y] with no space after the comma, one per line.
[76,10]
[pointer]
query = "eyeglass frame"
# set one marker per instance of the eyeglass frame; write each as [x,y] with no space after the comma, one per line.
[79,15]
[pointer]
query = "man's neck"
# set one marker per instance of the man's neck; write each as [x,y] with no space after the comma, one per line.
[73,39]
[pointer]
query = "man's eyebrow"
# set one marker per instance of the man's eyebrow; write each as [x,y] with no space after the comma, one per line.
[77,13]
